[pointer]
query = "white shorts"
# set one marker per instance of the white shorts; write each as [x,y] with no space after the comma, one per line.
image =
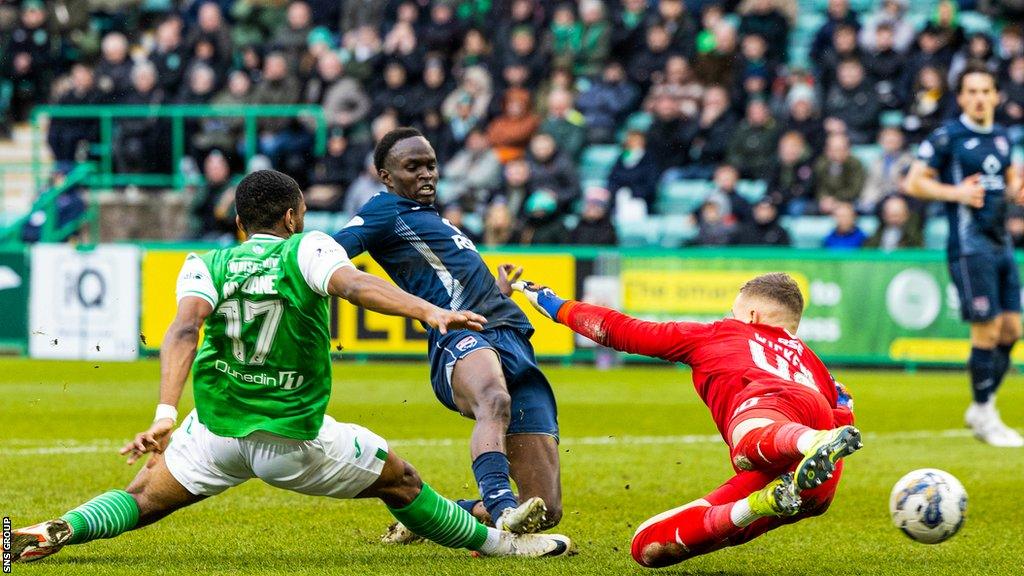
[342,461]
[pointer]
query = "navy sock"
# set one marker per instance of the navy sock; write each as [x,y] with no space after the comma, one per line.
[491,471]
[982,367]
[1002,364]
[467,505]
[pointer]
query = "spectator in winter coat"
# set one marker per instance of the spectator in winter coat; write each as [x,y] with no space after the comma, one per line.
[169,56]
[344,101]
[853,101]
[891,15]
[708,135]
[553,171]
[846,235]
[114,71]
[677,82]
[66,135]
[335,172]
[899,229]
[885,176]
[763,230]
[883,66]
[763,18]
[753,144]
[839,176]
[565,124]
[141,144]
[510,133]
[606,102]
[735,208]
[791,186]
[473,171]
[636,172]
[595,227]
[838,13]
[803,118]
[543,225]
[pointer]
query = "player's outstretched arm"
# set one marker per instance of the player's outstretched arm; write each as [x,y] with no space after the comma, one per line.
[672,341]
[373,293]
[922,182]
[176,355]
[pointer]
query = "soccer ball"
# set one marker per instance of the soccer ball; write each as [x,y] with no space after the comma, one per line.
[928,505]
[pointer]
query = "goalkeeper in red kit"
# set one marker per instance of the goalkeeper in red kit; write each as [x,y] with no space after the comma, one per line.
[787,422]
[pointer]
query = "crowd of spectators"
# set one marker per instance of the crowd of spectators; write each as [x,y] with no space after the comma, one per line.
[512,92]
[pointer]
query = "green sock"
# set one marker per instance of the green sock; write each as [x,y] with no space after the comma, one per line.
[105,516]
[442,521]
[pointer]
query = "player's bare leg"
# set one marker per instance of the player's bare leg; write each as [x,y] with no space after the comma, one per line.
[991,344]
[422,511]
[152,495]
[480,393]
[536,469]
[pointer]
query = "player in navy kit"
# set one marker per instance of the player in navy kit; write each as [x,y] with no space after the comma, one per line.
[966,164]
[490,376]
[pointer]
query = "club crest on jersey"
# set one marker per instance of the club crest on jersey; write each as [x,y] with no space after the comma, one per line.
[1003,145]
[991,165]
[980,305]
[466,343]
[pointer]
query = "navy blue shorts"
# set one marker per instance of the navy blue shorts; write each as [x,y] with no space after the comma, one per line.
[533,402]
[989,284]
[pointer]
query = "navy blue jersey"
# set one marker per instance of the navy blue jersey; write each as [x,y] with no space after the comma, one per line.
[957,150]
[429,257]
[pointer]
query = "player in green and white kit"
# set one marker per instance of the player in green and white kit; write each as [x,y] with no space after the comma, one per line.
[262,380]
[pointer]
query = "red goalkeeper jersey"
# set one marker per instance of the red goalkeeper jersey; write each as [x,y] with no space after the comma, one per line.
[725,356]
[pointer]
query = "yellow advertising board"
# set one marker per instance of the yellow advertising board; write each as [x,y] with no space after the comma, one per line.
[356,331]
[689,291]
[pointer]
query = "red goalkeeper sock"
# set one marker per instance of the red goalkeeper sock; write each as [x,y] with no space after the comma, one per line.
[774,445]
[691,531]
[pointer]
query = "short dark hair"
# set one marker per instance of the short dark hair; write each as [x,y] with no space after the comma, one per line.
[778,287]
[976,68]
[263,197]
[383,148]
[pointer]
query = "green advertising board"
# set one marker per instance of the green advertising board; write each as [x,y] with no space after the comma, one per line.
[14,288]
[870,307]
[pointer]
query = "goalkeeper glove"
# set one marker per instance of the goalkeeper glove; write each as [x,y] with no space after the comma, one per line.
[543,298]
[843,397]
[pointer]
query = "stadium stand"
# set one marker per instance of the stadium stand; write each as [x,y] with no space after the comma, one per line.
[621,86]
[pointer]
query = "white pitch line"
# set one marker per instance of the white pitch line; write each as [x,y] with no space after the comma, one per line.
[104,445]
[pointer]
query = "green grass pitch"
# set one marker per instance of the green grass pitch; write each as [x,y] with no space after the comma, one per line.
[637,441]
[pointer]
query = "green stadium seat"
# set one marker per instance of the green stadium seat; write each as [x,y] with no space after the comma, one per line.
[974,22]
[675,231]
[473,223]
[445,192]
[637,233]
[891,118]
[867,154]
[752,190]
[807,231]
[683,196]
[867,224]
[321,220]
[936,232]
[597,161]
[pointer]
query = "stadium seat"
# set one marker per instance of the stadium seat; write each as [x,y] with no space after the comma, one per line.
[891,118]
[637,233]
[683,196]
[867,224]
[321,220]
[936,232]
[675,231]
[597,160]
[444,192]
[752,190]
[867,154]
[473,223]
[974,22]
[807,231]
